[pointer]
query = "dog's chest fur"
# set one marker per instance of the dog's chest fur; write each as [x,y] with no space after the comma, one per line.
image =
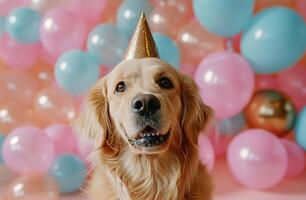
[145,177]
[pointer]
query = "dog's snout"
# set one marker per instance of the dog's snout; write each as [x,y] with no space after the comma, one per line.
[145,104]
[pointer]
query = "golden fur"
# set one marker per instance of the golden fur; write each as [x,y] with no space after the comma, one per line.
[172,172]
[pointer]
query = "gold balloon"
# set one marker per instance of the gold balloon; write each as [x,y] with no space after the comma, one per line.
[271,110]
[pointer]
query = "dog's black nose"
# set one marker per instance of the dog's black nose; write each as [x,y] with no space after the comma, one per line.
[145,104]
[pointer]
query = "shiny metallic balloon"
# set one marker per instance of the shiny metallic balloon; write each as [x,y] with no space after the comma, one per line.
[271,110]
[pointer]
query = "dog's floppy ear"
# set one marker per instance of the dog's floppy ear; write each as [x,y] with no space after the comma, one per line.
[93,122]
[196,115]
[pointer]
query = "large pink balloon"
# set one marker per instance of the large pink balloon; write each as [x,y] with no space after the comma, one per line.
[226,81]
[62,30]
[88,10]
[206,152]
[257,159]
[17,85]
[16,55]
[62,137]
[292,81]
[296,159]
[28,151]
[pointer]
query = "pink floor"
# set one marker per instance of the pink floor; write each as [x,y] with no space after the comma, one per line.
[226,188]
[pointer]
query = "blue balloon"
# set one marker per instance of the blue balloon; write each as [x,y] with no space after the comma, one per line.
[107,44]
[69,171]
[129,13]
[224,17]
[1,142]
[300,129]
[2,25]
[76,71]
[22,24]
[168,50]
[231,126]
[274,40]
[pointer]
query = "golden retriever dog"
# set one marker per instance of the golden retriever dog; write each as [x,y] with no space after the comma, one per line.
[145,118]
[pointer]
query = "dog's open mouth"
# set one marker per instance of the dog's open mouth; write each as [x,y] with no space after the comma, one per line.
[149,137]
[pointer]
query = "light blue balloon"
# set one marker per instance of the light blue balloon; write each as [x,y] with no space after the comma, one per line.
[224,17]
[167,49]
[1,142]
[69,172]
[2,25]
[300,129]
[275,40]
[129,13]
[76,71]
[22,24]
[231,126]
[107,44]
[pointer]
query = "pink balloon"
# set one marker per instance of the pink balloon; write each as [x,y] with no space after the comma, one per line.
[296,159]
[62,30]
[265,81]
[62,137]
[16,55]
[292,81]
[28,151]
[88,10]
[7,5]
[226,81]
[206,151]
[257,159]
[84,149]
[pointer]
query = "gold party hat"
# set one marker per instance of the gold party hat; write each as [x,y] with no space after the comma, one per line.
[142,44]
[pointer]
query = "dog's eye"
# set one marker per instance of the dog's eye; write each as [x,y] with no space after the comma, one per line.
[165,83]
[121,87]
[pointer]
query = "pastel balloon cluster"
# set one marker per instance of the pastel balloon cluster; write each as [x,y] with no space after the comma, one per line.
[52,52]
[51,157]
[256,155]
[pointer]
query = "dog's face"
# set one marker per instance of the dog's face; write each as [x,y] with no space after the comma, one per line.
[145,103]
